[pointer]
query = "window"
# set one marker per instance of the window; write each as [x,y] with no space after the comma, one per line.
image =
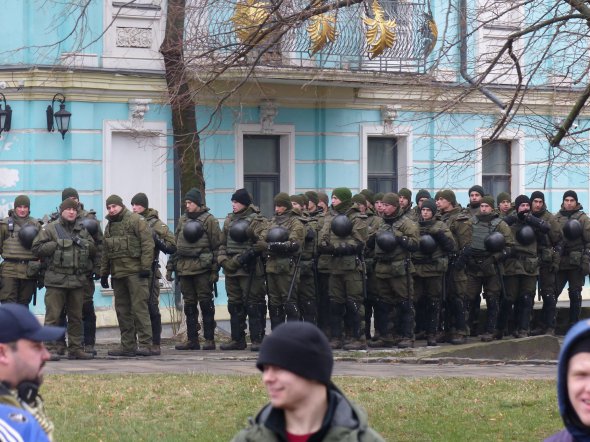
[262,175]
[496,166]
[382,164]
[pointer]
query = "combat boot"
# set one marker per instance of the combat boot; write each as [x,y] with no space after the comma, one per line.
[356,344]
[192,343]
[156,323]
[209,344]
[457,339]
[575,306]
[354,317]
[255,318]
[382,312]
[209,324]
[406,315]
[155,350]
[143,351]
[432,315]
[90,349]
[120,351]
[277,315]
[491,319]
[524,319]
[237,321]
[336,316]
[309,312]
[79,354]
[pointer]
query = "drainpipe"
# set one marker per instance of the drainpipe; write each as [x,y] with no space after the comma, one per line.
[463,56]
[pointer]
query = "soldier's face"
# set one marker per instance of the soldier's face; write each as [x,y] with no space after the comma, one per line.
[403,202]
[296,205]
[569,203]
[442,204]
[311,206]
[426,214]
[421,201]
[114,209]
[524,207]
[22,211]
[322,205]
[537,205]
[137,208]
[388,209]
[69,214]
[485,209]
[190,206]
[335,200]
[279,210]
[379,206]
[504,206]
[475,197]
[237,207]
[578,385]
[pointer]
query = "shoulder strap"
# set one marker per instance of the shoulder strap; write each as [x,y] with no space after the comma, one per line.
[61,233]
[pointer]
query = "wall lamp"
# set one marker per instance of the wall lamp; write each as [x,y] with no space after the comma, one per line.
[5,115]
[62,116]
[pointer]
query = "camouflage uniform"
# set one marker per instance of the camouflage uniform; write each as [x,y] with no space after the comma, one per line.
[306,288]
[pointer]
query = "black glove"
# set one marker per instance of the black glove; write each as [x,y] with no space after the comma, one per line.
[371,242]
[325,249]
[510,219]
[537,223]
[247,257]
[445,242]
[310,234]
[104,282]
[162,246]
[144,274]
[467,251]
[460,261]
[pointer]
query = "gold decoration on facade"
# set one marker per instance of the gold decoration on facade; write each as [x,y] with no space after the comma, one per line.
[429,33]
[321,30]
[380,32]
[249,17]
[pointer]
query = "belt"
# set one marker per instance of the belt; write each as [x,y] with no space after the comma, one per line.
[18,261]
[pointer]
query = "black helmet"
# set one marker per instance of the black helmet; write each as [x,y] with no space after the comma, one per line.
[427,244]
[386,241]
[239,231]
[193,230]
[27,234]
[572,229]
[277,234]
[525,235]
[91,225]
[494,242]
[341,226]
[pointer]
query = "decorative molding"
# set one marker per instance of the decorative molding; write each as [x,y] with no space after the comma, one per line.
[138,107]
[128,37]
[268,112]
[388,115]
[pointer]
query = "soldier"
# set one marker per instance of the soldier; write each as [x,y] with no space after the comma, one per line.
[459,224]
[431,263]
[549,246]
[306,288]
[490,239]
[575,256]
[20,267]
[405,200]
[70,254]
[165,242]
[476,193]
[505,207]
[127,257]
[285,238]
[343,238]
[323,203]
[416,212]
[240,256]
[396,238]
[92,226]
[521,269]
[378,205]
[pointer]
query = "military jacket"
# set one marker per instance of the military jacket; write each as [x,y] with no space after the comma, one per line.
[97,237]
[128,245]
[548,244]
[575,254]
[435,263]
[523,258]
[481,262]
[199,256]
[459,224]
[282,262]
[162,232]
[16,257]
[69,253]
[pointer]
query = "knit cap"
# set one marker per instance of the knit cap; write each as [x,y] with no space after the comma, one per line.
[521,199]
[242,196]
[298,347]
[282,199]
[194,195]
[114,199]
[429,204]
[22,200]
[359,198]
[405,192]
[379,196]
[447,194]
[537,194]
[570,193]
[68,204]
[503,196]
[489,200]
[324,197]
[140,199]
[69,192]
[299,199]
[422,193]
[369,195]
[477,188]
[390,198]
[342,193]
[312,196]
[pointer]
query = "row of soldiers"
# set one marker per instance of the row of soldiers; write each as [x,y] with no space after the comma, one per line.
[341,265]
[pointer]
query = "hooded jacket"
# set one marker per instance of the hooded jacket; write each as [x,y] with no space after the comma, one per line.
[574,429]
[344,422]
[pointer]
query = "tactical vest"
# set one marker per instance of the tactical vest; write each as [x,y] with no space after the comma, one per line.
[308,246]
[382,254]
[193,249]
[68,257]
[520,249]
[120,239]
[418,256]
[233,247]
[576,245]
[12,248]
[480,232]
[335,239]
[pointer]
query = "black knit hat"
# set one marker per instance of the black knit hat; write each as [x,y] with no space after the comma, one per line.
[477,188]
[429,204]
[312,196]
[194,195]
[140,199]
[537,194]
[405,192]
[422,193]
[283,199]
[22,200]
[298,347]
[69,192]
[570,193]
[114,199]
[447,194]
[68,204]
[242,196]
[521,199]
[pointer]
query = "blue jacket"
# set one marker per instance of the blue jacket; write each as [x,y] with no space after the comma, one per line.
[18,425]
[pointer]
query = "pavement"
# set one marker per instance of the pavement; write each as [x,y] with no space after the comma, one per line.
[529,358]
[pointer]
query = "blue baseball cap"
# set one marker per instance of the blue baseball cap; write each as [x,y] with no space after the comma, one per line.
[17,322]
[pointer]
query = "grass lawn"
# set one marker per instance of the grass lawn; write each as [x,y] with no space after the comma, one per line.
[213,408]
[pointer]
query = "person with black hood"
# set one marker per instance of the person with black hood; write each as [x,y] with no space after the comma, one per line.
[575,255]
[296,364]
[549,247]
[573,385]
[342,240]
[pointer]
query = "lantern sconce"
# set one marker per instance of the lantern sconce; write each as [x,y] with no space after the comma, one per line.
[5,115]
[62,116]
